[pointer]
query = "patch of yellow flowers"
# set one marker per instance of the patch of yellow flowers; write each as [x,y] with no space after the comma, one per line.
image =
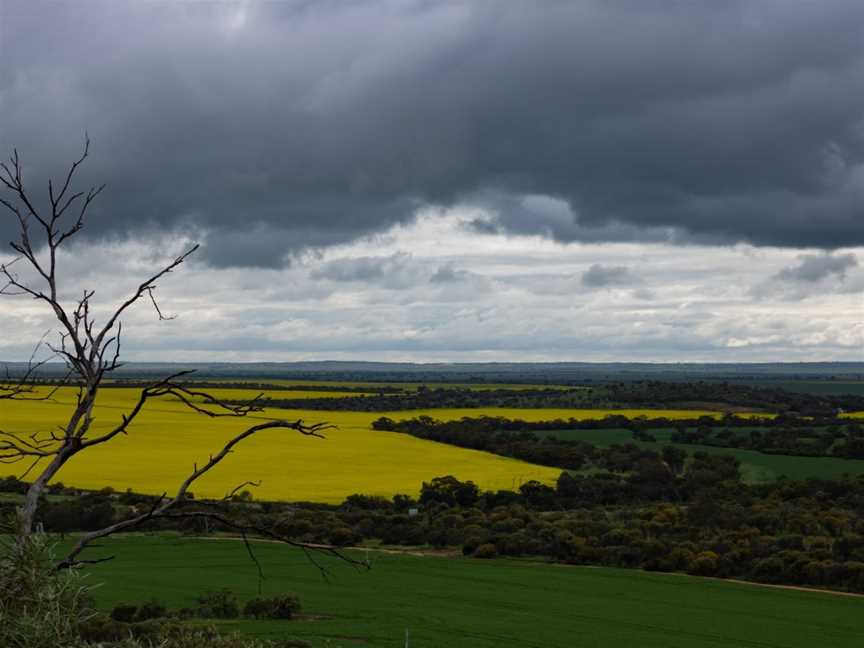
[167,440]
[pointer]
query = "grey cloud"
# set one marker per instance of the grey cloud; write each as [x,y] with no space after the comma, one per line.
[305,124]
[644,294]
[813,268]
[395,272]
[483,226]
[811,276]
[603,276]
[448,274]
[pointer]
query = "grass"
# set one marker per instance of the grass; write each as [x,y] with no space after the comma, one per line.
[469,603]
[756,467]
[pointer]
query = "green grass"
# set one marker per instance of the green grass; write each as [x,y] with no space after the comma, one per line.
[756,467]
[469,603]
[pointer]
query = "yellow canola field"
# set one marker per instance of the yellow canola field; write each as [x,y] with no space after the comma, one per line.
[167,440]
[120,395]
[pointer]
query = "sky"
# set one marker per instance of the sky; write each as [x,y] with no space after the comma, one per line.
[579,180]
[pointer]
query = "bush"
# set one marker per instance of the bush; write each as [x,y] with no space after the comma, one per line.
[152,609]
[103,629]
[219,604]
[39,606]
[704,564]
[278,607]
[186,613]
[343,536]
[487,550]
[124,613]
[103,632]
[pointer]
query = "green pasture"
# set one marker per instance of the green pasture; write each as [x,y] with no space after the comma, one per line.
[756,467]
[470,603]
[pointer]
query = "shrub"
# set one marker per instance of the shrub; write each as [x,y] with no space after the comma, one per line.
[704,564]
[487,550]
[152,609]
[103,629]
[125,613]
[343,536]
[186,613]
[103,632]
[218,604]
[39,606]
[278,607]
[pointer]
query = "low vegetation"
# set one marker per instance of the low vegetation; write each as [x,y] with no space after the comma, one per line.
[468,603]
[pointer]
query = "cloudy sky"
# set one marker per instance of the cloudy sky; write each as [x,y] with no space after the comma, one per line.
[455,180]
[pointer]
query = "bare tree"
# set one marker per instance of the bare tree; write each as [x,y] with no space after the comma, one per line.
[91,352]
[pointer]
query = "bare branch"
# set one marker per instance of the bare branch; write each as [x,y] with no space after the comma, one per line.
[237,488]
[90,352]
[162,317]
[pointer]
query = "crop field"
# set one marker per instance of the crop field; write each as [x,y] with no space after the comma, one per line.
[168,439]
[470,603]
[122,395]
[374,385]
[817,387]
[756,467]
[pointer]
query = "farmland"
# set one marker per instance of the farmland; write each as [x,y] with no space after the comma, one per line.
[756,467]
[466,603]
[168,439]
[632,506]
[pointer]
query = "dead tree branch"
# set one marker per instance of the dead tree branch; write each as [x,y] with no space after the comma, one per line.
[91,352]
[165,507]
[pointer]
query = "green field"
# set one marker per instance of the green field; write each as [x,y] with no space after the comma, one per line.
[756,467]
[469,603]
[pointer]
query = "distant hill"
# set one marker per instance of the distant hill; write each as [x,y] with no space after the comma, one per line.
[489,372]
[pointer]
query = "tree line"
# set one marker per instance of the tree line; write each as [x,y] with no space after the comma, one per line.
[516,438]
[702,521]
[623,395]
[835,440]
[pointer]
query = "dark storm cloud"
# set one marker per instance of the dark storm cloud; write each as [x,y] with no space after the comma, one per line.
[275,127]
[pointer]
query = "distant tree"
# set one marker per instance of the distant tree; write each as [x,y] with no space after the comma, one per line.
[91,352]
[674,458]
[450,491]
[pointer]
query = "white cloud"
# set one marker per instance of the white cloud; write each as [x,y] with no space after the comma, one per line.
[437,290]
